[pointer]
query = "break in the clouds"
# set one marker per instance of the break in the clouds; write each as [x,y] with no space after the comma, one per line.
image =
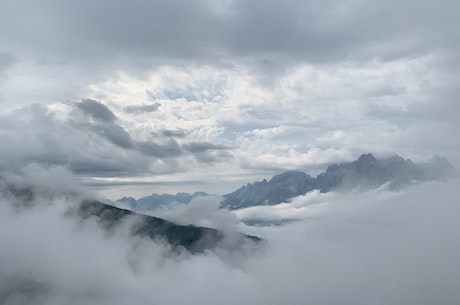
[227,90]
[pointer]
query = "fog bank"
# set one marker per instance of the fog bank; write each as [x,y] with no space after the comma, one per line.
[373,248]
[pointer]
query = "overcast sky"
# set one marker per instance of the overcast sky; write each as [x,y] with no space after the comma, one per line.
[163,96]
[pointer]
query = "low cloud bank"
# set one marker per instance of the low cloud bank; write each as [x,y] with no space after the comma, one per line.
[372,248]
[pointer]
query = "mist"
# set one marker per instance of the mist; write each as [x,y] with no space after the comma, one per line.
[377,247]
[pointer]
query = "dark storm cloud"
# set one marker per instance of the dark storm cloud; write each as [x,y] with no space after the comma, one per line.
[211,30]
[96,110]
[142,108]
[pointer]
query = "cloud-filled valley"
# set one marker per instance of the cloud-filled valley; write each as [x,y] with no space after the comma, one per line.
[375,247]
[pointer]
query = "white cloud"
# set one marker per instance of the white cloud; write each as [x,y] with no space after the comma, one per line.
[374,247]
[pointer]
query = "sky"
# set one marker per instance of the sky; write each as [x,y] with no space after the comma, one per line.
[136,97]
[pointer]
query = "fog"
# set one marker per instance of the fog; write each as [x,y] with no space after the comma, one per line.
[378,247]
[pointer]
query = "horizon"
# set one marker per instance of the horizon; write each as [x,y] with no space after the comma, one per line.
[125,189]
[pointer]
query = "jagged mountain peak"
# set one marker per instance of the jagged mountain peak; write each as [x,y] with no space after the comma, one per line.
[366,172]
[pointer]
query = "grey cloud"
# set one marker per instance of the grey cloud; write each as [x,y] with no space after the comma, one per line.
[174,133]
[387,90]
[32,134]
[115,134]
[6,60]
[106,167]
[213,156]
[316,31]
[96,110]
[201,147]
[103,123]
[142,108]
[171,149]
[206,152]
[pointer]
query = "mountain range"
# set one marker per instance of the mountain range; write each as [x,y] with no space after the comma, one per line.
[367,172]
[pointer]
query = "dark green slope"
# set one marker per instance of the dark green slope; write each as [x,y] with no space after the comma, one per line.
[194,239]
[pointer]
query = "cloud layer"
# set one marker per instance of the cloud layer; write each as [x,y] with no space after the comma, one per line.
[375,248]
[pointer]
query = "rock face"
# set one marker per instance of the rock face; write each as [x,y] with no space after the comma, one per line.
[280,188]
[365,173]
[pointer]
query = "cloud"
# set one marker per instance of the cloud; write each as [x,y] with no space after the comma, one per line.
[171,149]
[6,61]
[201,211]
[314,31]
[88,139]
[115,134]
[274,82]
[96,110]
[201,147]
[142,108]
[35,134]
[173,133]
[374,247]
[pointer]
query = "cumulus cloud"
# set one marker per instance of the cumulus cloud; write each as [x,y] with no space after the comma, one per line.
[375,248]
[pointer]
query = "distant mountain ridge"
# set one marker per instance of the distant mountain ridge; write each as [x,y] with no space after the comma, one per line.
[155,201]
[365,173]
[195,239]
